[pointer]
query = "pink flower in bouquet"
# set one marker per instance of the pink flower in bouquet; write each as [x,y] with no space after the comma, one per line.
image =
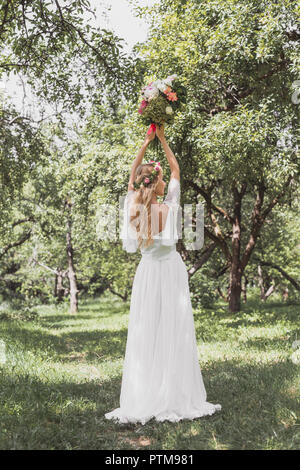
[157,168]
[143,105]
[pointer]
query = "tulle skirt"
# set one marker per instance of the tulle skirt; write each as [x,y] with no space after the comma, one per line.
[161,373]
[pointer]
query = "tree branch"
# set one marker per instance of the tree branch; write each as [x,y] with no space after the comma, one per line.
[255,228]
[259,216]
[237,97]
[284,273]
[204,257]
[207,198]
[5,8]
[22,221]
[54,271]
[123,297]
[276,199]
[19,242]
[84,40]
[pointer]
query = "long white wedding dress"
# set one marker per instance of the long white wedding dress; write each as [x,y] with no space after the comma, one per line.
[161,373]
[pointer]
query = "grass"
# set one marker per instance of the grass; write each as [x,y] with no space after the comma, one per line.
[63,372]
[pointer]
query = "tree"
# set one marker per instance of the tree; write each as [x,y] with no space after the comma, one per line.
[276,258]
[69,65]
[21,145]
[65,58]
[237,137]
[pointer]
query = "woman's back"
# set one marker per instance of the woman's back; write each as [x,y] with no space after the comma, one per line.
[163,216]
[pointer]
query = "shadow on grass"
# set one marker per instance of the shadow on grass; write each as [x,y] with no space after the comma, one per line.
[102,343]
[93,344]
[68,415]
[63,415]
[222,324]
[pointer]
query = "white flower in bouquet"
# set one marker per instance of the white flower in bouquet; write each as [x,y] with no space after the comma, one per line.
[161,85]
[169,110]
[169,79]
[151,92]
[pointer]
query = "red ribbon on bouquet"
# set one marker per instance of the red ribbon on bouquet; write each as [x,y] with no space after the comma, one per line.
[152,128]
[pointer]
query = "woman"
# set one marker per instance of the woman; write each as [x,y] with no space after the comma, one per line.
[161,374]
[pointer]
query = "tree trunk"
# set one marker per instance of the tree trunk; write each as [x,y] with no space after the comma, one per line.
[261,282]
[235,289]
[71,268]
[269,292]
[284,273]
[235,280]
[285,294]
[221,294]
[59,289]
[123,297]
[55,286]
[263,293]
[237,261]
[244,289]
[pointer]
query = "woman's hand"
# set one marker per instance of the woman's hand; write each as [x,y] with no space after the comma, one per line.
[160,132]
[150,136]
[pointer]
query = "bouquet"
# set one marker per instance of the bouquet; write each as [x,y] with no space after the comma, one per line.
[160,100]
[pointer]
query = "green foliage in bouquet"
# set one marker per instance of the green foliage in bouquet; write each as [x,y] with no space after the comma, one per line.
[156,111]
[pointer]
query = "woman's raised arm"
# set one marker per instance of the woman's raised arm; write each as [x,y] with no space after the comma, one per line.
[175,170]
[139,158]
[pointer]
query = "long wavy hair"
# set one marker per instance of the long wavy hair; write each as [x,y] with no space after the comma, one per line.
[142,205]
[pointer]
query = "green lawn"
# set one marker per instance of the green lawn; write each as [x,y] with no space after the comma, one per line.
[63,372]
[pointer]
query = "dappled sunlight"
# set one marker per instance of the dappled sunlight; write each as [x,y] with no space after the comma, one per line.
[223,350]
[272,332]
[61,381]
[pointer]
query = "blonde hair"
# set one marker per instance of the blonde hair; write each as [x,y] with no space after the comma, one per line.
[142,205]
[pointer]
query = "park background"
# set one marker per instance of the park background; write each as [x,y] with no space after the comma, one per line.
[71,75]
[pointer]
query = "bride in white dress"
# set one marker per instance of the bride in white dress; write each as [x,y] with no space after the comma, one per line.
[161,373]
